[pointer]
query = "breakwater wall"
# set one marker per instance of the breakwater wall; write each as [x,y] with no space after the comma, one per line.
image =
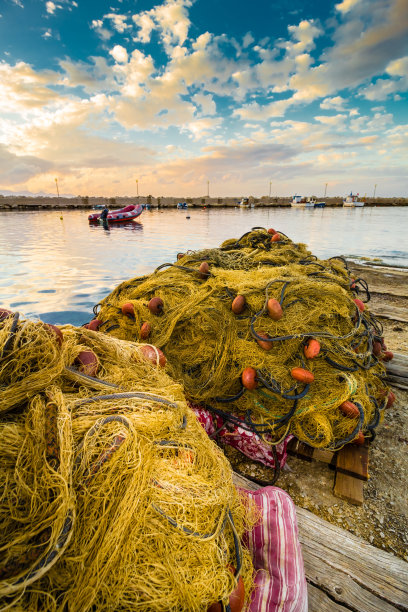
[37,203]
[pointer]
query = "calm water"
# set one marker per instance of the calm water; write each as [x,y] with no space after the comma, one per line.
[57,269]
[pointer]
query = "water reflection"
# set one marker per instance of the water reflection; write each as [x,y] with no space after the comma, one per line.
[58,265]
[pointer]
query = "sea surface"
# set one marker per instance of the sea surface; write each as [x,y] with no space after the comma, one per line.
[56,266]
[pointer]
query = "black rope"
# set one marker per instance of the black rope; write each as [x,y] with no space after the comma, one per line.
[8,345]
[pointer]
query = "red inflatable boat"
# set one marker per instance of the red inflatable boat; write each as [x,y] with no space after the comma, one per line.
[124,214]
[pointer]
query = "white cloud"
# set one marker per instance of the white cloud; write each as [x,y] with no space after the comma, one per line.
[103,33]
[118,22]
[333,120]
[247,40]
[170,19]
[51,7]
[336,103]
[206,103]
[146,25]
[346,5]
[119,54]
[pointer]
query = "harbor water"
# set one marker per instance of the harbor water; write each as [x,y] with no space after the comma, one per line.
[56,266]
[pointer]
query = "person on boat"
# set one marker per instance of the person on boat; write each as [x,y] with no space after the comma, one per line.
[104,213]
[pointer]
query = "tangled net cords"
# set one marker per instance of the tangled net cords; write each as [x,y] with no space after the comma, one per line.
[185,309]
[112,495]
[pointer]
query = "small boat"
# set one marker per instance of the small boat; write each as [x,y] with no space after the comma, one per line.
[303,202]
[182,205]
[244,203]
[98,207]
[353,201]
[123,214]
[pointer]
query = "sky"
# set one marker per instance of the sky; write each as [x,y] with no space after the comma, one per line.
[188,97]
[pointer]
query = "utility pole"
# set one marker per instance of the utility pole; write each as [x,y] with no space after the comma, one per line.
[270,186]
[208,189]
[325,190]
[375,187]
[56,183]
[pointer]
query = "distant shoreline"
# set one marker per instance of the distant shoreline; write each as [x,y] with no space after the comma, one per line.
[87,203]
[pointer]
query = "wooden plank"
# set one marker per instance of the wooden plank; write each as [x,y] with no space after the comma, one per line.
[349,488]
[348,558]
[353,460]
[308,453]
[397,381]
[395,313]
[320,602]
[341,588]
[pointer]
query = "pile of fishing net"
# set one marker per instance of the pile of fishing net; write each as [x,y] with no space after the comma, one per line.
[264,335]
[112,495]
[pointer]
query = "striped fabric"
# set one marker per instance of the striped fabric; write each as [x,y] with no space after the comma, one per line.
[280,579]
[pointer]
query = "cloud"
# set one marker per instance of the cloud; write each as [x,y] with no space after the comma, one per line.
[336,103]
[332,120]
[51,7]
[15,169]
[346,5]
[103,33]
[169,19]
[119,54]
[206,103]
[118,22]
[22,88]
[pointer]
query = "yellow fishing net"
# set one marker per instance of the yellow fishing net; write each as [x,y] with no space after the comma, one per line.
[112,495]
[245,362]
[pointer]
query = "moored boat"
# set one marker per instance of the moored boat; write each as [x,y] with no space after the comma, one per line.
[123,214]
[182,205]
[352,201]
[304,202]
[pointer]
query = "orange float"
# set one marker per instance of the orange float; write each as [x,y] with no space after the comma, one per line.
[204,270]
[128,309]
[156,305]
[153,354]
[236,599]
[55,331]
[265,345]
[238,305]
[359,304]
[302,375]
[274,309]
[145,330]
[248,378]
[87,363]
[311,348]
[349,409]
[93,325]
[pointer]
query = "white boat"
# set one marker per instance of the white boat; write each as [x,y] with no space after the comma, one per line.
[244,203]
[303,202]
[352,201]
